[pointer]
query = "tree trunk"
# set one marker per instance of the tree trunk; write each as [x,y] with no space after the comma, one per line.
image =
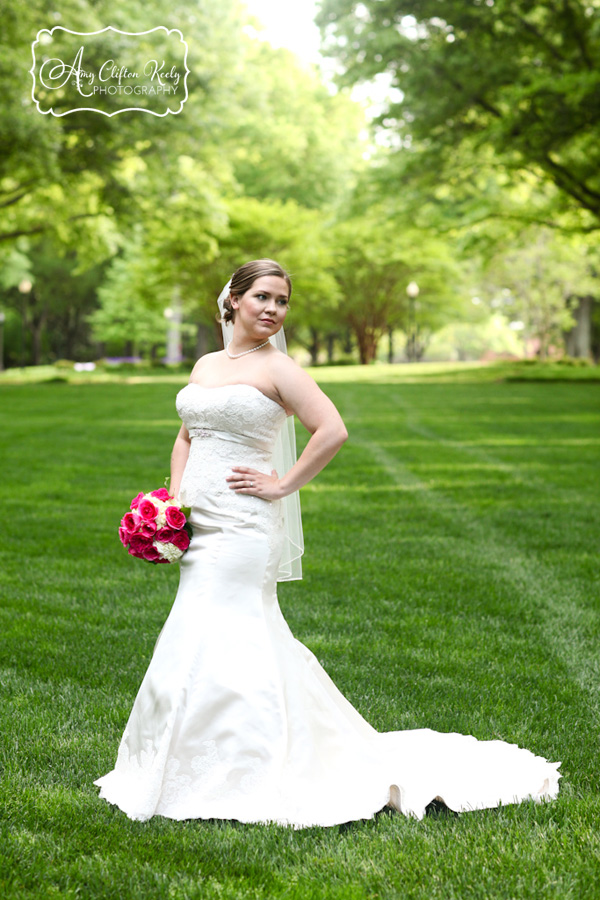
[314,346]
[36,344]
[201,340]
[373,344]
[362,346]
[367,342]
[330,347]
[578,341]
[38,320]
[71,331]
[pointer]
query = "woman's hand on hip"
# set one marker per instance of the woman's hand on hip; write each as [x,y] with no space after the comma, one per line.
[244,480]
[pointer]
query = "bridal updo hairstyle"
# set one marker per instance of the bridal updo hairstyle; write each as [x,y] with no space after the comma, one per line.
[244,277]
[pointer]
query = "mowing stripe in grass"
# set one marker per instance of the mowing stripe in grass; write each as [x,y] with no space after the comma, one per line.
[568,625]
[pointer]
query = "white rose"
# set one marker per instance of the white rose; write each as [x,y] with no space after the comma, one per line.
[161,505]
[168,551]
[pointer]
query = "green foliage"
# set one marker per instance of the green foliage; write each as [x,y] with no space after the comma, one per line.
[63,286]
[265,161]
[171,251]
[88,181]
[487,135]
[123,318]
[376,262]
[517,77]
[15,266]
[536,277]
[256,163]
[289,137]
[472,340]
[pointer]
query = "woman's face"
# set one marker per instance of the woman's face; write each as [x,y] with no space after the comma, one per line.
[263,308]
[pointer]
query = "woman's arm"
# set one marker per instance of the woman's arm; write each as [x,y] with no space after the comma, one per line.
[179,457]
[300,394]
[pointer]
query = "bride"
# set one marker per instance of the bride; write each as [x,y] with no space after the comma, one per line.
[235,718]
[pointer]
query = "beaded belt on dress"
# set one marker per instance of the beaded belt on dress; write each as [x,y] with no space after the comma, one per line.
[230,436]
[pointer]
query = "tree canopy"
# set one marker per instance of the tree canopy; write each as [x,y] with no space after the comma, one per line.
[520,77]
[481,178]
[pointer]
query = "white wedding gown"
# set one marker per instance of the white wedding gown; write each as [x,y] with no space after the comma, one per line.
[235,718]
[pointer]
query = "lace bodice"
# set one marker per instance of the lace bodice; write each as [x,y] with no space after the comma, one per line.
[230,425]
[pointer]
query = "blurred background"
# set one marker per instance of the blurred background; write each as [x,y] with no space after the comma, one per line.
[428,171]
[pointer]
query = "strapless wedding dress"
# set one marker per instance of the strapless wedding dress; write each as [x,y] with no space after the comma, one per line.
[235,718]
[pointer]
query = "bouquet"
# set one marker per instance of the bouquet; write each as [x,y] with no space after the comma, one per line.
[156,528]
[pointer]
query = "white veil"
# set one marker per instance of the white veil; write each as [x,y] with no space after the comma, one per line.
[284,457]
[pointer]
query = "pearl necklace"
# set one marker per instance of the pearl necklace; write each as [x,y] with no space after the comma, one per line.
[244,352]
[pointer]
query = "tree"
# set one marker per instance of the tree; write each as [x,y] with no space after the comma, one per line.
[51,289]
[123,318]
[56,172]
[537,280]
[262,161]
[376,262]
[476,339]
[516,76]
[289,138]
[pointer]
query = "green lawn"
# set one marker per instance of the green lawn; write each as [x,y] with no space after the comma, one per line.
[451,581]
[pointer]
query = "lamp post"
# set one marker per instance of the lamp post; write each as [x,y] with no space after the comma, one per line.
[24,288]
[412,292]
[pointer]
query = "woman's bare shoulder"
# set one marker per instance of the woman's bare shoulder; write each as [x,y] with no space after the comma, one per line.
[205,363]
[294,386]
[283,367]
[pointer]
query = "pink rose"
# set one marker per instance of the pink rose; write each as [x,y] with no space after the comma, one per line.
[136,501]
[148,529]
[165,535]
[147,510]
[175,517]
[181,540]
[161,494]
[139,544]
[124,536]
[151,553]
[130,521]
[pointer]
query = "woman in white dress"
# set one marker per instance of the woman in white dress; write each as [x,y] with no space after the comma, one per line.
[235,718]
